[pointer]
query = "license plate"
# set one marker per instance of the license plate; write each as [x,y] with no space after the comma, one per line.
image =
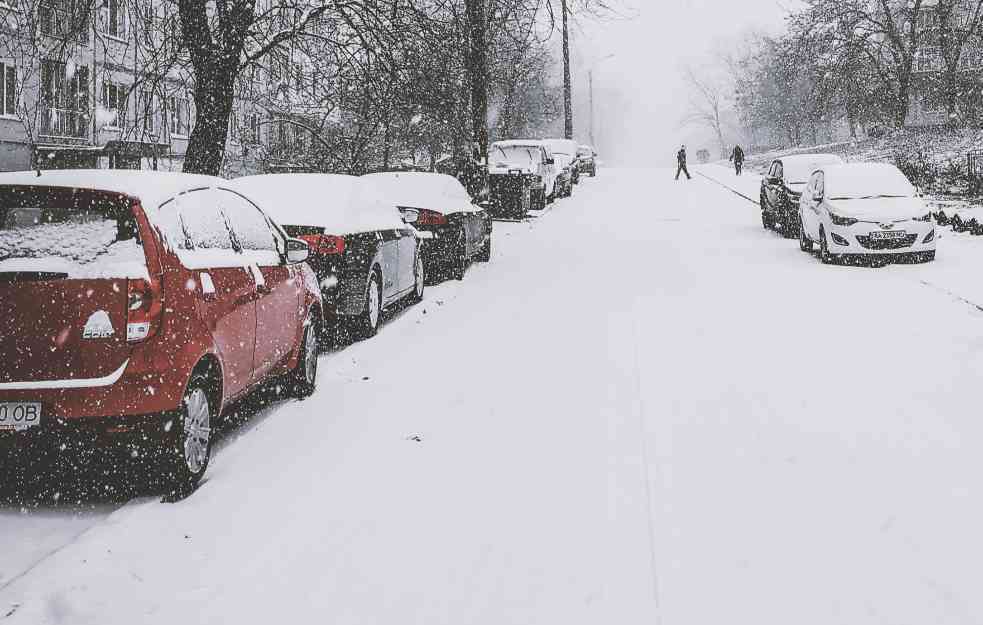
[892,234]
[18,416]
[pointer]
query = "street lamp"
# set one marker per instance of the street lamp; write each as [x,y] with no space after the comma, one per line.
[590,91]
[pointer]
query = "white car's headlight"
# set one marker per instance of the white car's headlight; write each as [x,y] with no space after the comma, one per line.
[925,217]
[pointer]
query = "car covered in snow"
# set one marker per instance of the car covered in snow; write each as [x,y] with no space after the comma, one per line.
[438,204]
[521,176]
[864,209]
[136,306]
[587,160]
[781,188]
[565,153]
[365,258]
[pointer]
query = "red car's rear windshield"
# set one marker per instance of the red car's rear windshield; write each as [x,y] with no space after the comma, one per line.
[69,233]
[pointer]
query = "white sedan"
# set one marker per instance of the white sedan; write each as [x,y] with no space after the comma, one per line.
[864,209]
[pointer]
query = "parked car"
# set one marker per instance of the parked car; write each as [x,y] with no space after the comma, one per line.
[782,186]
[703,156]
[515,167]
[439,204]
[565,152]
[137,305]
[365,258]
[864,209]
[587,160]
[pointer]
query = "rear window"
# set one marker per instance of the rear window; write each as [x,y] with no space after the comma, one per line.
[51,232]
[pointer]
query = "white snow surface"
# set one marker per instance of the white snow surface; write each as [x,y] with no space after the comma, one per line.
[694,423]
[340,204]
[438,192]
[81,250]
[151,187]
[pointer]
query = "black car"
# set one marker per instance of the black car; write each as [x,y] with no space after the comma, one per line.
[438,205]
[586,160]
[566,153]
[522,176]
[782,187]
[365,258]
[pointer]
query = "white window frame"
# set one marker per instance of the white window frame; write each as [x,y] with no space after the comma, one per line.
[121,26]
[174,120]
[8,69]
[121,93]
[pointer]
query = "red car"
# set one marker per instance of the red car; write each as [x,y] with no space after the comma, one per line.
[136,305]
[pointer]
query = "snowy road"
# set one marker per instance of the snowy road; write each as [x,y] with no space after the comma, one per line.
[645,409]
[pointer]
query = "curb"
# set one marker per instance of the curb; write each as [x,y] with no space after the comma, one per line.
[714,180]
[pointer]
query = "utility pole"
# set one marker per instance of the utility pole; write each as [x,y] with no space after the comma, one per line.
[567,97]
[477,65]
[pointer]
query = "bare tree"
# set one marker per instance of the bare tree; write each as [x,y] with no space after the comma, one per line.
[708,98]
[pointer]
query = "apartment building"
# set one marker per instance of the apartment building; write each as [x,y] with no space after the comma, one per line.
[927,107]
[107,86]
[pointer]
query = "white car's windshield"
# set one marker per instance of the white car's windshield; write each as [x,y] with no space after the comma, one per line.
[867,182]
[796,170]
[523,156]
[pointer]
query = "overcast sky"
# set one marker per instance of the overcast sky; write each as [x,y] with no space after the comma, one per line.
[638,94]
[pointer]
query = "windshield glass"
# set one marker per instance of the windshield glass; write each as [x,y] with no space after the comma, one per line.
[66,231]
[523,156]
[866,182]
[798,170]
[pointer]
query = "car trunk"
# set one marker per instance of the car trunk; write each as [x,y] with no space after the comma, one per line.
[67,257]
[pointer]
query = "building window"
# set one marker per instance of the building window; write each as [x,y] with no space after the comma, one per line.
[147,112]
[114,101]
[64,109]
[928,59]
[8,89]
[64,19]
[114,16]
[970,58]
[927,19]
[252,129]
[178,111]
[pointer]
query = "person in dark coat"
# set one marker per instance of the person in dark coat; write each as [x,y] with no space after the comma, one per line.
[681,161]
[737,156]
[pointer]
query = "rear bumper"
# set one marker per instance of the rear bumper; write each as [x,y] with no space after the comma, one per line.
[131,431]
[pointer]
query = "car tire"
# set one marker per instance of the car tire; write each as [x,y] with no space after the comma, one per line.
[419,280]
[765,220]
[824,256]
[928,257]
[303,379]
[366,323]
[805,243]
[459,262]
[484,254]
[187,443]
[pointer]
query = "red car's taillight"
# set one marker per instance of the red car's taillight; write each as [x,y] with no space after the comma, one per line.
[430,218]
[325,244]
[144,306]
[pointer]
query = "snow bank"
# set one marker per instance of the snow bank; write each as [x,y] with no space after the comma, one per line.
[339,204]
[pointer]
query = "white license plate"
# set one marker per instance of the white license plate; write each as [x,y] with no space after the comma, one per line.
[891,234]
[18,416]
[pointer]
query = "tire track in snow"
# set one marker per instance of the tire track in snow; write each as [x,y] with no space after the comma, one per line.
[732,190]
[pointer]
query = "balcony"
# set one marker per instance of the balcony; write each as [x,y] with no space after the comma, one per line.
[61,123]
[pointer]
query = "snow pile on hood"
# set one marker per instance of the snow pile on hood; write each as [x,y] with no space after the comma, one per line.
[438,192]
[340,204]
[80,250]
[567,147]
[864,180]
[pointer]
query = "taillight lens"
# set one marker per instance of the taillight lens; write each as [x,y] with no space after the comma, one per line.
[430,218]
[143,308]
[325,244]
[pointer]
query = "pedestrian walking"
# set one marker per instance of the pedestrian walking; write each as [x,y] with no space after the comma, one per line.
[737,156]
[681,161]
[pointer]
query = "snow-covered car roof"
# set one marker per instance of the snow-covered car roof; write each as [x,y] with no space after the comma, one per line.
[439,192]
[562,146]
[798,167]
[861,180]
[518,143]
[152,188]
[338,203]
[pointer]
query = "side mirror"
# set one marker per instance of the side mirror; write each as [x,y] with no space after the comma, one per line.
[550,161]
[410,215]
[297,251]
[819,197]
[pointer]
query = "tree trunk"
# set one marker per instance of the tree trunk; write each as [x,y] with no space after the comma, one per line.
[478,73]
[901,103]
[567,95]
[213,106]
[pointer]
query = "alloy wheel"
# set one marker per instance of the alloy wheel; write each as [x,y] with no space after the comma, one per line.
[197,430]
[374,302]
[310,354]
